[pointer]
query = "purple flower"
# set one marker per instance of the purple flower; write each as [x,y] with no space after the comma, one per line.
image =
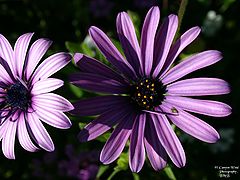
[25,98]
[147,94]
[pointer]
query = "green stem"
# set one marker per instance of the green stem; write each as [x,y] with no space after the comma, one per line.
[168,171]
[181,12]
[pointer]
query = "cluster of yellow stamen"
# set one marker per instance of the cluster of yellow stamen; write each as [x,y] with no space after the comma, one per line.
[147,93]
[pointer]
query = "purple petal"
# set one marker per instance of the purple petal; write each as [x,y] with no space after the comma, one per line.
[8,140]
[54,118]
[191,64]
[128,39]
[23,135]
[50,66]
[193,126]
[111,52]
[20,51]
[147,38]
[169,140]
[115,144]
[39,132]
[45,86]
[103,123]
[90,65]
[35,54]
[206,107]
[52,101]
[6,52]
[155,151]
[198,87]
[4,76]
[97,105]
[137,152]
[3,128]
[163,42]
[187,38]
[97,83]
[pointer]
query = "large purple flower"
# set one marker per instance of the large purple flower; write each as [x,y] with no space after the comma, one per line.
[25,96]
[147,93]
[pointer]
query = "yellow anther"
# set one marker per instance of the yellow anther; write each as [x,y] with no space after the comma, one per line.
[145,97]
[152,85]
[146,80]
[137,87]
[144,103]
[152,89]
[141,83]
[151,97]
[147,86]
[139,94]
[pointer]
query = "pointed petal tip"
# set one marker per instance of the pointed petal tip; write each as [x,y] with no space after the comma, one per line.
[77,57]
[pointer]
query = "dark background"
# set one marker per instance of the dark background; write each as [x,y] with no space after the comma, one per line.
[69,20]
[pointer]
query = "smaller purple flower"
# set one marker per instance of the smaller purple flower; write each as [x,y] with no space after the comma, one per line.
[25,94]
[145,95]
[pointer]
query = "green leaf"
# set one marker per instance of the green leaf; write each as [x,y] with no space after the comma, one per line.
[76,91]
[73,47]
[122,163]
[82,125]
[104,137]
[101,170]
[86,49]
[168,171]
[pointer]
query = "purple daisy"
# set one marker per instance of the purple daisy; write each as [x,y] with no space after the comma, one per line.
[25,98]
[147,94]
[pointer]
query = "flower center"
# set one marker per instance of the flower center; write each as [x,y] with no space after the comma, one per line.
[147,93]
[17,96]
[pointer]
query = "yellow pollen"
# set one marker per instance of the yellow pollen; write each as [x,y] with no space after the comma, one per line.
[139,94]
[144,96]
[137,87]
[152,85]
[151,97]
[144,103]
[146,80]
[141,83]
[152,89]
[147,86]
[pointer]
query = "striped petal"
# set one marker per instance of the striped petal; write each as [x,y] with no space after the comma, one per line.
[6,52]
[50,66]
[8,140]
[97,83]
[206,107]
[111,52]
[191,64]
[90,65]
[163,42]
[54,118]
[115,144]
[187,38]
[20,51]
[198,87]
[155,151]
[147,38]
[23,135]
[193,126]
[137,152]
[103,123]
[128,39]
[45,86]
[35,54]
[98,105]
[169,140]
[39,132]
[52,101]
